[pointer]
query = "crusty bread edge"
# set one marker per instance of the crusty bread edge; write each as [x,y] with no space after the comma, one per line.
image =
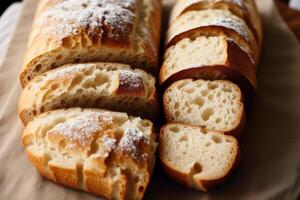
[238,69]
[182,178]
[211,30]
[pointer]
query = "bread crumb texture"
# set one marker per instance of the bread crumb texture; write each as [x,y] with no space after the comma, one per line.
[95,146]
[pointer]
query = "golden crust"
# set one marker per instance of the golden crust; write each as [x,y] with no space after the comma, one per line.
[55,41]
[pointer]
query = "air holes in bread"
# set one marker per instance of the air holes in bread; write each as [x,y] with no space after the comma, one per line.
[198,101]
[226,89]
[55,86]
[174,129]
[182,84]
[207,113]
[183,138]
[189,90]
[38,67]
[76,81]
[204,93]
[100,79]
[67,42]
[211,86]
[197,168]
[176,105]
[217,139]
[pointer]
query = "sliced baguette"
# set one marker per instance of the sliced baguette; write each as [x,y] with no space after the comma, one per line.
[213,22]
[105,153]
[79,31]
[212,105]
[195,158]
[93,85]
[214,57]
[244,9]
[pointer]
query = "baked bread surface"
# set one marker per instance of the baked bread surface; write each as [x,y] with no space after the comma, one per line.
[92,85]
[77,31]
[106,153]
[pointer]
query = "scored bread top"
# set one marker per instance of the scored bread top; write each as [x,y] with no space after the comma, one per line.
[213,105]
[213,22]
[96,85]
[195,157]
[68,31]
[105,153]
[245,9]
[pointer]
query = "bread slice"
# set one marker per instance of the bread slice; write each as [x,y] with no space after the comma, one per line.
[105,153]
[79,31]
[214,57]
[244,9]
[93,85]
[195,158]
[214,22]
[213,105]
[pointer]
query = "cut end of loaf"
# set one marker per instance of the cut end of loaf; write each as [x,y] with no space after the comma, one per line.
[195,157]
[98,85]
[102,152]
[213,105]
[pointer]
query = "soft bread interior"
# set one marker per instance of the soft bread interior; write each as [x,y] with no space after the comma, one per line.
[213,105]
[199,156]
[106,153]
[239,32]
[98,85]
[197,52]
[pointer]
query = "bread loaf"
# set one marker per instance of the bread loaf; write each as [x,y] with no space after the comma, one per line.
[196,158]
[213,105]
[95,85]
[244,9]
[106,153]
[78,31]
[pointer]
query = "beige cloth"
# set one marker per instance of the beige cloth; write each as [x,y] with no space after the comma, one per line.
[270,164]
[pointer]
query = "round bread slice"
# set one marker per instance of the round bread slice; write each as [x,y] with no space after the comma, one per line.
[212,105]
[214,22]
[105,153]
[195,158]
[213,57]
[110,86]
[244,9]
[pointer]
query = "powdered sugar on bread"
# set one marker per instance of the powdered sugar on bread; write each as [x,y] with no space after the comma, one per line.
[90,15]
